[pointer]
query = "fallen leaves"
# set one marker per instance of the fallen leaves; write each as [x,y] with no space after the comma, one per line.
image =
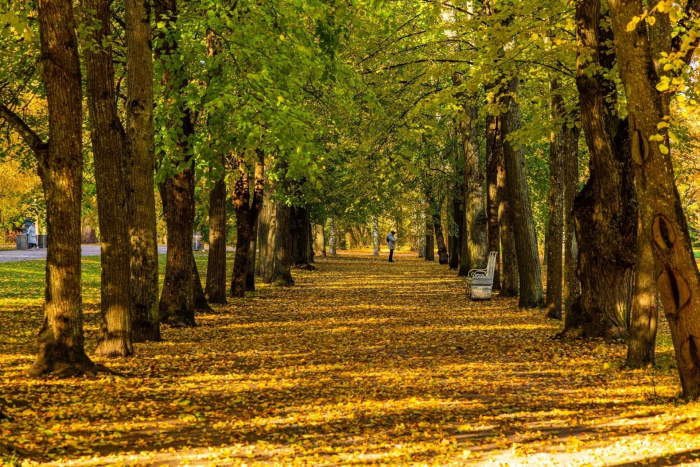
[362,362]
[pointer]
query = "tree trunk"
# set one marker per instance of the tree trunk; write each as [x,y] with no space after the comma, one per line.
[644,316]
[350,238]
[604,211]
[265,223]
[476,221]
[177,191]
[429,240]
[282,272]
[201,304]
[510,284]
[494,151]
[555,237]
[252,253]
[521,211]
[572,287]
[61,343]
[661,212]
[320,241]
[333,241]
[108,143]
[246,217]
[216,263]
[300,233]
[459,216]
[443,257]
[140,136]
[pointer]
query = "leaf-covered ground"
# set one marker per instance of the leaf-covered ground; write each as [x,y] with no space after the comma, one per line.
[361,363]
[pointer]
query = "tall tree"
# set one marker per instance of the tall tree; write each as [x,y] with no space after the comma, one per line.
[531,294]
[140,134]
[605,210]
[555,201]
[246,217]
[177,190]
[60,164]
[110,154]
[661,213]
[216,262]
[494,149]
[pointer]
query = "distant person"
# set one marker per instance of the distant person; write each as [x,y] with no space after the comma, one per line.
[31,236]
[391,240]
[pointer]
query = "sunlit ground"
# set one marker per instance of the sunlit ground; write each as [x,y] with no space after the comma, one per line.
[361,363]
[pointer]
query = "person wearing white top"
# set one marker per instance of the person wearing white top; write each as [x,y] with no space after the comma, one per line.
[31,237]
[391,240]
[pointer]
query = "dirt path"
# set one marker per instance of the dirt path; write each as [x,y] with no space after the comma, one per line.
[362,362]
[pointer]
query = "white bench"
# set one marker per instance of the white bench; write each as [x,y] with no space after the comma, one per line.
[480,281]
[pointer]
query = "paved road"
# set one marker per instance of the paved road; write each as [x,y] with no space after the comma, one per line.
[26,255]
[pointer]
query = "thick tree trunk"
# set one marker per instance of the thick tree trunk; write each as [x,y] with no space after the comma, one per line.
[140,135]
[109,148]
[216,263]
[661,212]
[510,284]
[474,202]
[605,212]
[530,277]
[572,287]
[494,151]
[555,236]
[252,254]
[282,267]
[61,344]
[299,222]
[429,239]
[333,241]
[246,217]
[375,236]
[644,315]
[443,257]
[265,223]
[177,191]
[320,241]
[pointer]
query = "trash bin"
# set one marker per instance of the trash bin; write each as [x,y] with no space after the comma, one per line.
[22,242]
[42,241]
[197,242]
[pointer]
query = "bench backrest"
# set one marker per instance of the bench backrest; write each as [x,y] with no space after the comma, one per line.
[491,267]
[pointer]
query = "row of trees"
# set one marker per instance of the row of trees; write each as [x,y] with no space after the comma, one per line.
[461,119]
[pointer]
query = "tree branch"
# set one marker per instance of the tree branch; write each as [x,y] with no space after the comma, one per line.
[28,135]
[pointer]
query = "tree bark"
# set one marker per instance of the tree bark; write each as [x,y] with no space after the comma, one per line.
[109,149]
[60,341]
[429,240]
[320,241]
[555,201]
[443,257]
[531,295]
[644,315]
[661,212]
[265,224]
[246,216]
[333,241]
[140,136]
[299,222]
[252,255]
[201,305]
[510,284]
[604,211]
[494,151]
[216,263]
[177,191]
[476,221]
[375,236]
[282,267]
[572,287]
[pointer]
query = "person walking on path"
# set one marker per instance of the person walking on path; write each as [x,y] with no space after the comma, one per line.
[391,240]
[31,236]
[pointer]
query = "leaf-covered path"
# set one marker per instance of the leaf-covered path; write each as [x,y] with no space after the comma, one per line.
[362,362]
